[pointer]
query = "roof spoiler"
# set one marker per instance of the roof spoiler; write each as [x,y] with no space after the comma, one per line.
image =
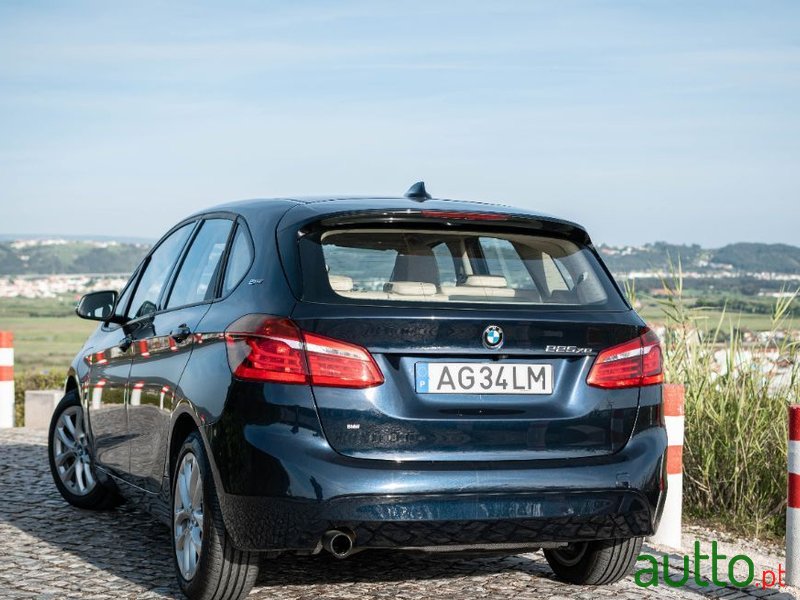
[457,219]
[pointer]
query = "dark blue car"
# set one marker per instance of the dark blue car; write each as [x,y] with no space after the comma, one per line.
[342,374]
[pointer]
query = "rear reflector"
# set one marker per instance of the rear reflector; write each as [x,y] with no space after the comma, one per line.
[632,364]
[274,349]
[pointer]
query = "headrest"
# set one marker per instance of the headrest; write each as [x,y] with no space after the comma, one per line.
[494,281]
[411,288]
[340,283]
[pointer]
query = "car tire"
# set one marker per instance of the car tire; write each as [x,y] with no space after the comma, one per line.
[594,563]
[71,460]
[207,564]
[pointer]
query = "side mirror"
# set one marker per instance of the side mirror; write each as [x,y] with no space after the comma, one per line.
[97,306]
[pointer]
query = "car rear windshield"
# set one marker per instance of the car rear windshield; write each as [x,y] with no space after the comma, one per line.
[379,266]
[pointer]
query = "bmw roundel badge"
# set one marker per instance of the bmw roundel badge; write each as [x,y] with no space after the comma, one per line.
[493,337]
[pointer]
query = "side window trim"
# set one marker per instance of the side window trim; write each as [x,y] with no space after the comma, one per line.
[239,224]
[219,276]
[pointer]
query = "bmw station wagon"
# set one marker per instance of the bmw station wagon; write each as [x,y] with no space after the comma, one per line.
[345,374]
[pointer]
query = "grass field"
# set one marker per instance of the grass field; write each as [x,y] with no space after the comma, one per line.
[651,311]
[46,344]
[47,334]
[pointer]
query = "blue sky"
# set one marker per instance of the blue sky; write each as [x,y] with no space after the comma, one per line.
[676,121]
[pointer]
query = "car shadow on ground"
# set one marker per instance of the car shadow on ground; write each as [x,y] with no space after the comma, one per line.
[375,566]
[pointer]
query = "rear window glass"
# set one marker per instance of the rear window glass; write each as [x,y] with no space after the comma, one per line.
[443,267]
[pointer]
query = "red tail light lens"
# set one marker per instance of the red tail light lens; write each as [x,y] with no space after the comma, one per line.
[633,364]
[265,348]
[339,364]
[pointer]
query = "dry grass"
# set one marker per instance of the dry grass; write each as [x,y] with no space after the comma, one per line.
[736,414]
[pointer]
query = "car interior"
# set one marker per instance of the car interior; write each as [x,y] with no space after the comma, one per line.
[464,267]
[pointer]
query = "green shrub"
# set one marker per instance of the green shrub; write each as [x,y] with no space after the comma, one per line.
[736,414]
[33,381]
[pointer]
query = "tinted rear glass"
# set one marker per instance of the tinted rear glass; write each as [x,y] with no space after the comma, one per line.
[452,268]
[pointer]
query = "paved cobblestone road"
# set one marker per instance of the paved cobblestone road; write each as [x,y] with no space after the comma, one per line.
[51,550]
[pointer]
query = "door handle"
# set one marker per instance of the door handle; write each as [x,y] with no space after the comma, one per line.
[180,333]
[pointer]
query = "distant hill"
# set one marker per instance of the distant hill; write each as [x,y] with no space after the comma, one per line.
[776,258]
[58,256]
[13,237]
[740,257]
[39,256]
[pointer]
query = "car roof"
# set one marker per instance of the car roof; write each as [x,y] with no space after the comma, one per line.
[325,205]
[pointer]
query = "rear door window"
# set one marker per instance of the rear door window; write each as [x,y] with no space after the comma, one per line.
[199,272]
[453,268]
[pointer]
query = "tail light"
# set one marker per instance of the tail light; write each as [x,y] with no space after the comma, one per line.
[633,364]
[273,349]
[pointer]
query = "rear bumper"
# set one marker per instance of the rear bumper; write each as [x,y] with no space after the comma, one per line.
[281,487]
[440,520]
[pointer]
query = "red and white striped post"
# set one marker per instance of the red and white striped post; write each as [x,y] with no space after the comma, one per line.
[793,499]
[6,379]
[669,529]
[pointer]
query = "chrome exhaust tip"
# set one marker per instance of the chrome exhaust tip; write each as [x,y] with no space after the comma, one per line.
[339,543]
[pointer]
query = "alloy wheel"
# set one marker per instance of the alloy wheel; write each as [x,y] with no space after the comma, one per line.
[188,515]
[71,454]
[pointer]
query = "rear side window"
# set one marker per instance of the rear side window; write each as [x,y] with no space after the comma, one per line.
[239,260]
[453,267]
[200,269]
[156,271]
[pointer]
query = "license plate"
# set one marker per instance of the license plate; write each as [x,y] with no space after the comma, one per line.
[483,378]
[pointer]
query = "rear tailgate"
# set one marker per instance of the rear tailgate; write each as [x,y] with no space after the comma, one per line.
[398,420]
[419,288]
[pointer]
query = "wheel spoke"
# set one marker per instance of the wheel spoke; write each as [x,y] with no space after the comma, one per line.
[187,557]
[78,424]
[196,538]
[183,490]
[87,473]
[180,538]
[65,418]
[79,476]
[63,456]
[62,436]
[196,487]
[68,474]
[198,517]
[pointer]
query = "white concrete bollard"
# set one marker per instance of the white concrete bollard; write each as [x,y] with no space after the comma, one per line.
[39,406]
[793,499]
[6,379]
[670,527]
